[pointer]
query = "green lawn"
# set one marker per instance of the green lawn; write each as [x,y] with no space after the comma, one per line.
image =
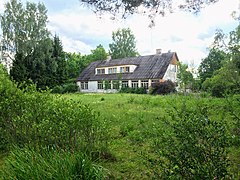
[133,121]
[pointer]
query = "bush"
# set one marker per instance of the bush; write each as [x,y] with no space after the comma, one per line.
[46,163]
[133,90]
[193,146]
[39,118]
[165,87]
[66,88]
[70,88]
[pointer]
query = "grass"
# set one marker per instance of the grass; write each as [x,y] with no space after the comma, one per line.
[133,122]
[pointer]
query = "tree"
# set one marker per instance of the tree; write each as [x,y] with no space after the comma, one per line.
[99,53]
[124,44]
[74,65]
[211,63]
[227,78]
[150,7]
[185,77]
[58,56]
[23,27]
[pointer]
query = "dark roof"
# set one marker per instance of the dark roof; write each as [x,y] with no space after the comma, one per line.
[148,67]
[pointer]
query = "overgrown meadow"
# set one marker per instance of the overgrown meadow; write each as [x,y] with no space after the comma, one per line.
[117,136]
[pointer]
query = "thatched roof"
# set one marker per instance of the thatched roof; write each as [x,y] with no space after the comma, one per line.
[148,67]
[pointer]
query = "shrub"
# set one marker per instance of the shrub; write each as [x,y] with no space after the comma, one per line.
[133,90]
[165,87]
[57,89]
[66,88]
[193,146]
[46,163]
[39,118]
[70,88]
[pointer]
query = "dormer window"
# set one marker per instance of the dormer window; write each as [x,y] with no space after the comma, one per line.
[127,69]
[124,69]
[100,71]
[112,70]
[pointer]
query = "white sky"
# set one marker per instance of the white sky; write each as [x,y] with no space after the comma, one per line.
[187,34]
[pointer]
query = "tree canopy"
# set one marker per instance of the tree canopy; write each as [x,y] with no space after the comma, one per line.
[185,77]
[24,26]
[211,63]
[39,58]
[123,45]
[227,78]
[149,7]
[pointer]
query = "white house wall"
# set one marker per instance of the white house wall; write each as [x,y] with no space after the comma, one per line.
[171,73]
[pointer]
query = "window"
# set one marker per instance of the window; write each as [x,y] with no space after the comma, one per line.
[134,84]
[124,69]
[100,71]
[100,85]
[144,84]
[121,69]
[124,84]
[84,85]
[112,70]
[115,84]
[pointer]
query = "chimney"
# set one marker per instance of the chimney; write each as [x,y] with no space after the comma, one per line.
[158,51]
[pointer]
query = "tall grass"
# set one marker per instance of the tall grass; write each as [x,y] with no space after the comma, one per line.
[45,163]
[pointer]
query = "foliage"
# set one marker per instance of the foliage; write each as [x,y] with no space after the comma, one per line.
[99,53]
[39,118]
[58,56]
[77,62]
[65,88]
[23,27]
[151,8]
[137,121]
[140,90]
[227,78]
[211,63]
[38,58]
[124,44]
[184,76]
[165,87]
[192,146]
[47,163]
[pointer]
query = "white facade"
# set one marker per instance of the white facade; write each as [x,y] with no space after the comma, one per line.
[171,73]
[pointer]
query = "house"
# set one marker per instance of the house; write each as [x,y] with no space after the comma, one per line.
[112,74]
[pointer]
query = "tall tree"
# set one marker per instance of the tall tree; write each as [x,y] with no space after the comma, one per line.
[124,44]
[185,77]
[227,78]
[74,64]
[37,56]
[211,63]
[23,27]
[99,53]
[58,56]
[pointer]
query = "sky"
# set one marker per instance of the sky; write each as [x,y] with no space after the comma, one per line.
[189,35]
